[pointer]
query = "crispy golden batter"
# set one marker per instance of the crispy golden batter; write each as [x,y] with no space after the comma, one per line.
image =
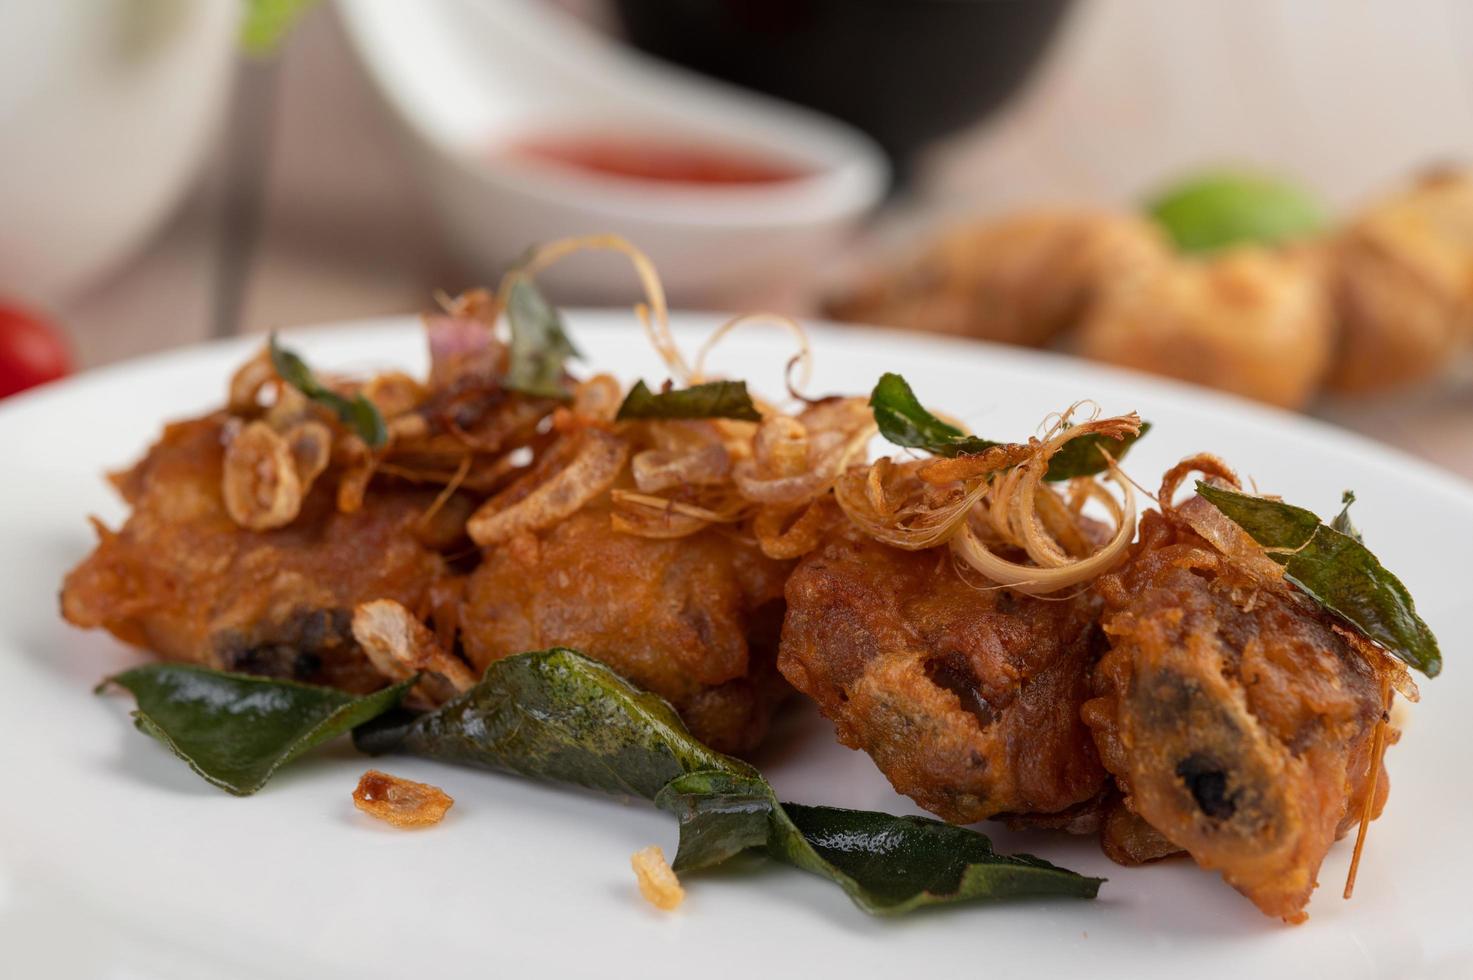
[1237,723]
[694,619]
[1019,280]
[184,580]
[967,699]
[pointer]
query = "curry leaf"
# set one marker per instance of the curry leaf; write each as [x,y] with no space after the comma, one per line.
[1336,570]
[711,400]
[1084,456]
[903,420]
[358,413]
[540,347]
[1216,210]
[888,865]
[559,716]
[1342,522]
[236,730]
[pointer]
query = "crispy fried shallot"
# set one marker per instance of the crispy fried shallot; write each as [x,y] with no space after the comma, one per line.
[261,486]
[401,802]
[575,471]
[995,500]
[400,646]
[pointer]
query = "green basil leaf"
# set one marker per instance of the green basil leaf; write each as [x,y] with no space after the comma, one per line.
[557,715]
[540,347]
[1216,210]
[236,730]
[904,421]
[711,400]
[357,413]
[1337,571]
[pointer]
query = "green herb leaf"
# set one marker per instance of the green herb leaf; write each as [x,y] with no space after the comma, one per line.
[557,715]
[1341,521]
[1216,210]
[711,400]
[903,420]
[357,413]
[887,865]
[236,730]
[1337,571]
[1083,456]
[540,347]
[266,22]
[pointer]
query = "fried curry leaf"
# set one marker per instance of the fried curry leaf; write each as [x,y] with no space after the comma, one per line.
[540,347]
[1342,522]
[559,716]
[1216,210]
[904,421]
[888,865]
[236,730]
[1085,456]
[357,413]
[711,400]
[1336,570]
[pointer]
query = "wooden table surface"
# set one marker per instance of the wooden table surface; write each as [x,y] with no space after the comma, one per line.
[307,211]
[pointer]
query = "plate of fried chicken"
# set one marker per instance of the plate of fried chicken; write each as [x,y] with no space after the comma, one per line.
[1063,652]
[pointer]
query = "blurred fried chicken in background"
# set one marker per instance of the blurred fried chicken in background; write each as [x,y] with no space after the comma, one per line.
[1386,301]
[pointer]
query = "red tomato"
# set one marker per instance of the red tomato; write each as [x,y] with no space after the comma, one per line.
[32,351]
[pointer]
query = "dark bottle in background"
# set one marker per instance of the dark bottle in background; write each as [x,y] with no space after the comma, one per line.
[904,71]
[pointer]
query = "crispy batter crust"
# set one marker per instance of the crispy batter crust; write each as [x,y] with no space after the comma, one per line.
[182,579]
[1235,721]
[967,699]
[693,619]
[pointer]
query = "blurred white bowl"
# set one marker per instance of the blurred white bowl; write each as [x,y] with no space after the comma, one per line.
[106,110]
[464,77]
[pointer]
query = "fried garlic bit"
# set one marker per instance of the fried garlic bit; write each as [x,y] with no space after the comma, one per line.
[401,802]
[657,881]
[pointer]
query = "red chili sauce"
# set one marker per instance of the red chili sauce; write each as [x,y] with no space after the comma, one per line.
[646,160]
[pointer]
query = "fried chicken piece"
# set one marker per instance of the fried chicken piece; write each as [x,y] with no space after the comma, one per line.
[1019,280]
[184,580]
[1251,321]
[966,698]
[1236,722]
[693,619]
[1403,285]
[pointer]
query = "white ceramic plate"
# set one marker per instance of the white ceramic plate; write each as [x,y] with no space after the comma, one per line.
[116,861]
